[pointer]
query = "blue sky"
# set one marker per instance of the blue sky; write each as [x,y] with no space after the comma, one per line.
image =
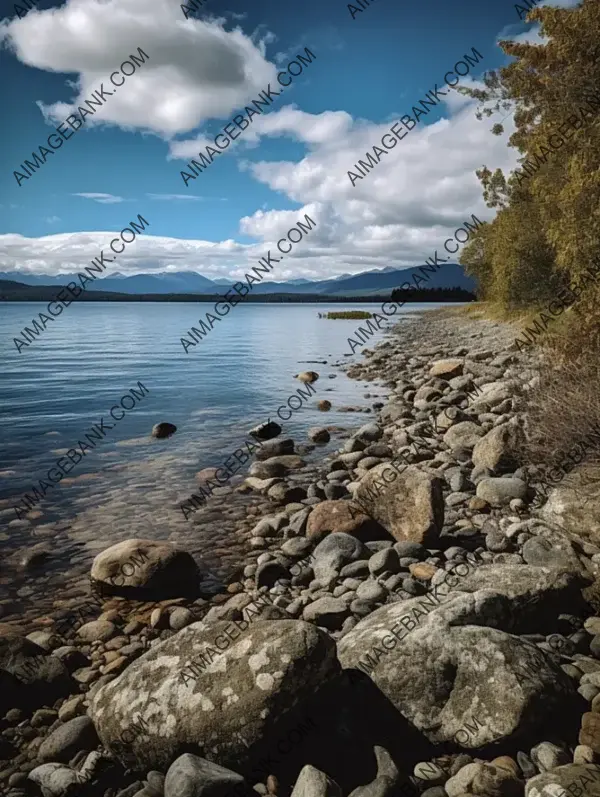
[200,72]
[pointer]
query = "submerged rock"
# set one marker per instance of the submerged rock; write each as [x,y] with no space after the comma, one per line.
[162,430]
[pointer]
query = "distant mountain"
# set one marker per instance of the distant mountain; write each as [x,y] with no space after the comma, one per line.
[449,275]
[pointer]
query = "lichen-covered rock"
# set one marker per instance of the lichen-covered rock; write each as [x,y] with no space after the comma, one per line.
[452,674]
[537,595]
[408,503]
[217,690]
[153,568]
[572,779]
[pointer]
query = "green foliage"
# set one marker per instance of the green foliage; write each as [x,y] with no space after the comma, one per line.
[547,229]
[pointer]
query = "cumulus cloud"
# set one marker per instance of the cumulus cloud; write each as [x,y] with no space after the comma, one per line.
[195,71]
[399,214]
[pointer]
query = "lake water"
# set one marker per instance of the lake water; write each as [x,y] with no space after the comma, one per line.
[130,485]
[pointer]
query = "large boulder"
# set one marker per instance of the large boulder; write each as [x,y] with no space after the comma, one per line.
[537,595]
[498,450]
[220,691]
[452,676]
[409,503]
[29,676]
[346,517]
[147,568]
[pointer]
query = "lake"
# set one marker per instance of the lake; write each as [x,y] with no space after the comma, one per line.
[130,484]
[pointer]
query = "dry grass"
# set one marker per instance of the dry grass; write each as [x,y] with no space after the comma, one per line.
[563,409]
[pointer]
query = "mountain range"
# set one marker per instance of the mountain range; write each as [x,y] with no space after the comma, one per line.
[449,275]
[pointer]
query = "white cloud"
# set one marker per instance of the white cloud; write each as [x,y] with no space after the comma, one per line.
[104,199]
[52,219]
[196,70]
[399,214]
[175,197]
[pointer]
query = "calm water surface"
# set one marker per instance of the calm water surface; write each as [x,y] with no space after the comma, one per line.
[130,485]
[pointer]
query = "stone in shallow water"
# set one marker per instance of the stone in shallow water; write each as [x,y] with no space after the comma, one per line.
[163,430]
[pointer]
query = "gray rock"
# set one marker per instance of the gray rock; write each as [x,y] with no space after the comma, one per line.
[537,595]
[500,491]
[69,738]
[274,448]
[163,430]
[371,591]
[452,661]
[29,676]
[387,780]
[497,450]
[385,560]
[154,568]
[369,433]
[268,573]
[408,503]
[97,631]
[551,548]
[463,435]
[564,780]
[548,756]
[296,546]
[55,780]
[335,551]
[191,776]
[413,550]
[311,782]
[319,434]
[189,692]
[299,520]
[266,431]
[179,618]
[329,613]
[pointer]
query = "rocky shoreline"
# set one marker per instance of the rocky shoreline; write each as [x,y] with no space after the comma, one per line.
[404,623]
